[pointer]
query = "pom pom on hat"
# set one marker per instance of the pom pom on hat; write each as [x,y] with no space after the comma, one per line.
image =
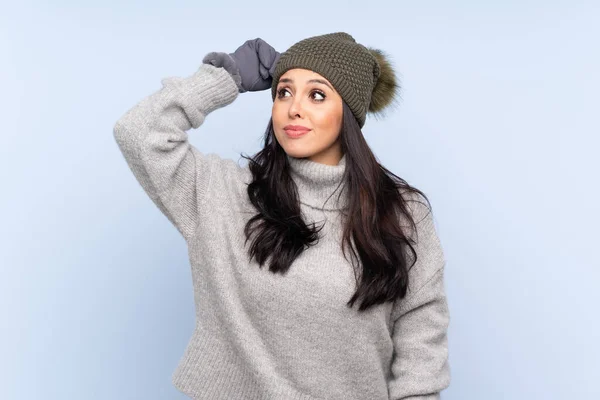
[387,88]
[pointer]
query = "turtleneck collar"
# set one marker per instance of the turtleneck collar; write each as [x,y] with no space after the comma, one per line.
[318,183]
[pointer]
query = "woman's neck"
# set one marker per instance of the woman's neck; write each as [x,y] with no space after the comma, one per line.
[319,184]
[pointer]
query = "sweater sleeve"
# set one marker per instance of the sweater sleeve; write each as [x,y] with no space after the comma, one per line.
[153,139]
[420,369]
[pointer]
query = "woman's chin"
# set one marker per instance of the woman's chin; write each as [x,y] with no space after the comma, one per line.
[297,152]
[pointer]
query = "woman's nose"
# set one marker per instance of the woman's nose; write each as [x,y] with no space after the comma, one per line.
[296,108]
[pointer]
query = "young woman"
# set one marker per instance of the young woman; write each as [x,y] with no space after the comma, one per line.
[350,303]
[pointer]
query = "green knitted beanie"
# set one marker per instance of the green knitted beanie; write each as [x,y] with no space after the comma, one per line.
[362,76]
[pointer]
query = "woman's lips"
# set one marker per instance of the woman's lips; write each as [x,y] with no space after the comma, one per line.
[295,133]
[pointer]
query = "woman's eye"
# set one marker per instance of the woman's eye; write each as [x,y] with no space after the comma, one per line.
[316,95]
[319,94]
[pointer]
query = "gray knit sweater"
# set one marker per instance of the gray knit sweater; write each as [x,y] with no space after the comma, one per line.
[260,335]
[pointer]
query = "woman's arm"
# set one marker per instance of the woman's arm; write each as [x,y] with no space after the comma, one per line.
[153,138]
[420,368]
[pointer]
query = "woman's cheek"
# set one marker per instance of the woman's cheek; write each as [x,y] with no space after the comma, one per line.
[329,121]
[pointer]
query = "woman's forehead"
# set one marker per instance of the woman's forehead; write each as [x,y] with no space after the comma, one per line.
[302,74]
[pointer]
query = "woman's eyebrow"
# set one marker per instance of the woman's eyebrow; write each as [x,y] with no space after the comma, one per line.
[321,81]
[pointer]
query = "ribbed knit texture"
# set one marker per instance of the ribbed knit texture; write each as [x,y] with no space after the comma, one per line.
[319,185]
[348,65]
[260,335]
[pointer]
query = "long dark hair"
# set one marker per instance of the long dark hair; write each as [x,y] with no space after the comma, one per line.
[377,199]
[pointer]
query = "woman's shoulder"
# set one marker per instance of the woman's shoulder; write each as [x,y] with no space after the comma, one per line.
[417,204]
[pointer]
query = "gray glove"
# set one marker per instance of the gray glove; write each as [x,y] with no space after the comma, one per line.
[224,60]
[251,65]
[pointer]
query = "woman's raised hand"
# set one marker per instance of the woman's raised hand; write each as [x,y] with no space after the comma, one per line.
[251,65]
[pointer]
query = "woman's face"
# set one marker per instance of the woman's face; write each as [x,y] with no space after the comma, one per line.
[307,116]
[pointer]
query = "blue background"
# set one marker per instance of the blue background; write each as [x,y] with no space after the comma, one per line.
[498,125]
